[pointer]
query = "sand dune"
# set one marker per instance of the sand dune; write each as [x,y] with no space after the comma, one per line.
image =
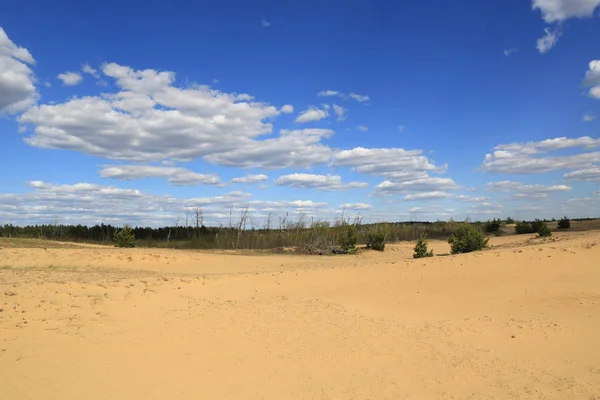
[518,321]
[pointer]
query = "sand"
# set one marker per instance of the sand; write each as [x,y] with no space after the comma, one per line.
[518,321]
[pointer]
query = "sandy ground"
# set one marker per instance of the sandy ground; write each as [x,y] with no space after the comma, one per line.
[518,321]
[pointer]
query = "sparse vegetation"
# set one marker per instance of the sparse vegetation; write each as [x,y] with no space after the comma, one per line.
[270,232]
[124,237]
[348,238]
[466,239]
[564,223]
[421,250]
[509,221]
[543,230]
[376,237]
[523,227]
[492,226]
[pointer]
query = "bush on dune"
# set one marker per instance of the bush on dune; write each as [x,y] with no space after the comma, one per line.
[564,223]
[421,250]
[124,237]
[466,239]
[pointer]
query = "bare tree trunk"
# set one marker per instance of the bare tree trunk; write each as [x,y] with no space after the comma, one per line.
[198,220]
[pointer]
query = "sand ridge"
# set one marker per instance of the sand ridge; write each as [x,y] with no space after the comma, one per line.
[518,321]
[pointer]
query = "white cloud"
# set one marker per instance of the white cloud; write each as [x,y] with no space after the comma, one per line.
[585,175]
[531,158]
[360,98]
[90,204]
[401,128]
[592,79]
[250,179]
[340,112]
[436,195]
[510,186]
[390,162]
[469,199]
[328,93]
[588,118]
[151,120]
[508,52]
[86,68]
[363,128]
[419,185]
[293,148]
[312,114]
[355,206]
[560,10]
[549,40]
[265,23]
[70,78]
[486,208]
[287,109]
[17,81]
[322,182]
[176,176]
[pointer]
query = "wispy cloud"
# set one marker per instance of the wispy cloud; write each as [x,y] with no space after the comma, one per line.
[508,52]
[265,23]
[588,117]
[549,40]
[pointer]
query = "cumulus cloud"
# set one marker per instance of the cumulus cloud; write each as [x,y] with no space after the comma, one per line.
[592,80]
[312,114]
[510,186]
[395,163]
[557,11]
[340,112]
[428,184]
[250,178]
[436,195]
[17,81]
[322,182]
[90,204]
[70,78]
[560,10]
[293,148]
[363,128]
[86,68]
[151,120]
[174,175]
[355,206]
[584,175]
[287,109]
[531,157]
[549,40]
[265,23]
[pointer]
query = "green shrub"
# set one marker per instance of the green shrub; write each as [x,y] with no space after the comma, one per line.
[376,241]
[523,227]
[492,226]
[124,237]
[348,238]
[510,221]
[543,230]
[536,225]
[564,223]
[467,239]
[421,250]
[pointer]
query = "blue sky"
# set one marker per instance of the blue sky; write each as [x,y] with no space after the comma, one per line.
[141,112]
